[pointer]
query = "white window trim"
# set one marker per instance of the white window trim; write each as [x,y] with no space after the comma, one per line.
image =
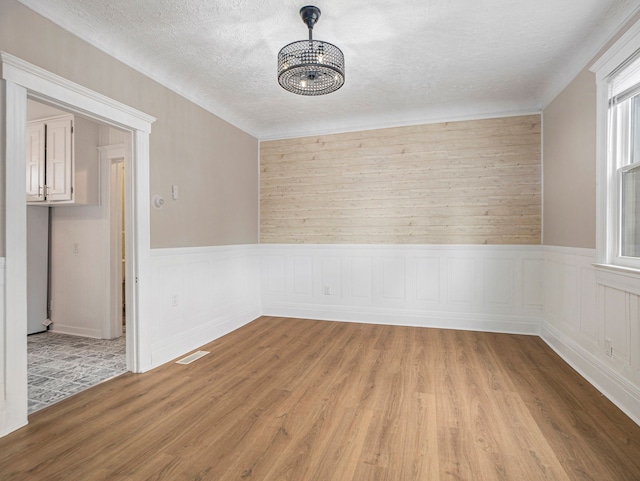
[607,197]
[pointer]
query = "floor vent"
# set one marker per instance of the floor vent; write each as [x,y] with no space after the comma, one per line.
[192,357]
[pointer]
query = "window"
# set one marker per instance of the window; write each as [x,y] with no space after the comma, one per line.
[624,157]
[618,156]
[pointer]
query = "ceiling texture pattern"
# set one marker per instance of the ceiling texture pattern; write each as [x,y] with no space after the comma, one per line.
[407,61]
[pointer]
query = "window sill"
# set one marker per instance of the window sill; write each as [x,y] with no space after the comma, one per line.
[626,279]
[618,269]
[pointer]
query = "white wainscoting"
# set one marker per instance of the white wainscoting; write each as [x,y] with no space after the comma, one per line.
[200,294]
[487,288]
[555,292]
[585,306]
[13,372]
[3,371]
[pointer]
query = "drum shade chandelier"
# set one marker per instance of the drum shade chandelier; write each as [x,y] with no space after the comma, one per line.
[310,67]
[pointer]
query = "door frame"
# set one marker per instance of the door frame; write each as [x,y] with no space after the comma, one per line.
[20,80]
[112,156]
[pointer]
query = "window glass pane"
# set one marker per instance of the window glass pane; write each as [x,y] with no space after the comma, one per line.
[634,135]
[630,203]
[621,133]
[626,78]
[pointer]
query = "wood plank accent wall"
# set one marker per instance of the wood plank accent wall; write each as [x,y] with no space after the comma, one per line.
[468,182]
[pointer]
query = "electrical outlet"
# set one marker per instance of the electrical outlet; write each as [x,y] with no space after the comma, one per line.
[327,290]
[608,347]
[174,300]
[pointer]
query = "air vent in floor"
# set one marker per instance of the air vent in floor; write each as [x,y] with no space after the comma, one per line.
[192,357]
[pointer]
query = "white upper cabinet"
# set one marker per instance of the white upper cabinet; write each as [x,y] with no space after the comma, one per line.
[35,162]
[59,160]
[62,161]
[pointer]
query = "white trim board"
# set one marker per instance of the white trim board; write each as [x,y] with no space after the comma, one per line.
[622,393]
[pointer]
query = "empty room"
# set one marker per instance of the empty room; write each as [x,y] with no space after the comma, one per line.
[339,241]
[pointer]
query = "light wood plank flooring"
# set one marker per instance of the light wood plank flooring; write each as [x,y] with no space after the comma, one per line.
[289,399]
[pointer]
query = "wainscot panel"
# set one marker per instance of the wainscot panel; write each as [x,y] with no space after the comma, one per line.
[591,319]
[13,402]
[200,294]
[3,397]
[488,288]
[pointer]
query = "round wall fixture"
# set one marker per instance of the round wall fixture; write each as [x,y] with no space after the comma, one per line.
[157,201]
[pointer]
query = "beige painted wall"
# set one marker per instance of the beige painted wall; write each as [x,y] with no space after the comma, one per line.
[472,182]
[569,153]
[214,164]
[569,158]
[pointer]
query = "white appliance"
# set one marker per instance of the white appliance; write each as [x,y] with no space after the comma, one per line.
[37,267]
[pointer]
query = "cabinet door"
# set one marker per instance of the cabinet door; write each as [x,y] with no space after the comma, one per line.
[35,163]
[59,160]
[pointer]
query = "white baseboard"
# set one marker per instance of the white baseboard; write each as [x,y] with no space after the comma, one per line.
[9,428]
[617,389]
[75,331]
[200,294]
[396,317]
[170,349]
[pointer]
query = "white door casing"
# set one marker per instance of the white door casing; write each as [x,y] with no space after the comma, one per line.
[19,80]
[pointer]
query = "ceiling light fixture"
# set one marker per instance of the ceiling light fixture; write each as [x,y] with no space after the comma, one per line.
[310,67]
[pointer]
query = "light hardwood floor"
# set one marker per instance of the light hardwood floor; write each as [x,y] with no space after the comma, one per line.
[290,399]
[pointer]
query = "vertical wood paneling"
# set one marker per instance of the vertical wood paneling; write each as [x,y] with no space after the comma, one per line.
[634,332]
[471,182]
[616,307]
[588,305]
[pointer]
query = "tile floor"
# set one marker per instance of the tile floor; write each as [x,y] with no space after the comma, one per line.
[60,365]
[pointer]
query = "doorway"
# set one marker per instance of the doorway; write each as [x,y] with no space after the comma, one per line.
[74,258]
[22,80]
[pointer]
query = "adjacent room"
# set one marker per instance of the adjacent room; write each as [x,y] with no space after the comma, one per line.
[341,241]
[75,254]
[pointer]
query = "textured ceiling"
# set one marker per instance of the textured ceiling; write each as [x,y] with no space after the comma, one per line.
[407,61]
